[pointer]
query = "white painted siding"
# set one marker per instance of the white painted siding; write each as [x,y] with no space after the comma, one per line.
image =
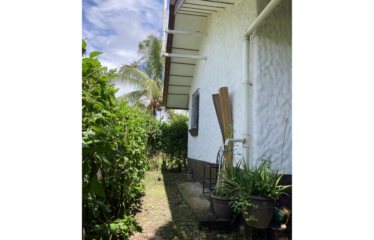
[271,67]
[272,87]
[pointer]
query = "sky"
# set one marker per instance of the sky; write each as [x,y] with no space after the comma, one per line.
[115,27]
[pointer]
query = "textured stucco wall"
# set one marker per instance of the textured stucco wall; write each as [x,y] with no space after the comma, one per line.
[272,86]
[224,68]
[223,46]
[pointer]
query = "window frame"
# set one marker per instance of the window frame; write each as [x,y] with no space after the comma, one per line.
[195,109]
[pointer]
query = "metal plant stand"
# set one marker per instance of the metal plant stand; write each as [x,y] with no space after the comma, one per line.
[209,180]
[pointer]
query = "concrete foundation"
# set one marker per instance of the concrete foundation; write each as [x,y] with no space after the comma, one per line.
[192,192]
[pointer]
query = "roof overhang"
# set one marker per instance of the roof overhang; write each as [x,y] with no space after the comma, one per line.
[188,19]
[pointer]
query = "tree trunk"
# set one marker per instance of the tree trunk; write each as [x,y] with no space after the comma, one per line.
[121,208]
[84,219]
[146,151]
[154,107]
[184,162]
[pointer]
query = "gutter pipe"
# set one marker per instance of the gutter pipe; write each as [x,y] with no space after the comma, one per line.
[246,83]
[163,27]
[263,15]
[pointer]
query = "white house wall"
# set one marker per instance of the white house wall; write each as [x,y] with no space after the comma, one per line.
[223,47]
[224,68]
[272,87]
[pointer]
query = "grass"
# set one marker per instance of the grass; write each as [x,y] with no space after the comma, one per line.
[164,214]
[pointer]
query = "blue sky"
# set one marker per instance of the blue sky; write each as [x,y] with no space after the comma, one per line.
[115,27]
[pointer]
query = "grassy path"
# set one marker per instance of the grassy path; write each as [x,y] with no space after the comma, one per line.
[165,215]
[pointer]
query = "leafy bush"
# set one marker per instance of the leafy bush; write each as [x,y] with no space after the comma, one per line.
[174,140]
[113,156]
[167,142]
[243,182]
[154,143]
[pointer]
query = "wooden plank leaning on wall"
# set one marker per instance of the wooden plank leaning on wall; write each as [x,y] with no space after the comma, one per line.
[223,110]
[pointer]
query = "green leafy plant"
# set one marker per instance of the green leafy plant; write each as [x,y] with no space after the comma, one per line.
[114,138]
[169,138]
[174,141]
[255,181]
[222,192]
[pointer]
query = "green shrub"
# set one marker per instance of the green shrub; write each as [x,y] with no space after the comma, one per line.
[113,156]
[167,142]
[174,141]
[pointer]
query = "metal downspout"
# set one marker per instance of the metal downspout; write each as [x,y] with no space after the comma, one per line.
[246,74]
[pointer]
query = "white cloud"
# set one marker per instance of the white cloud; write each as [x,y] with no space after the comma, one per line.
[116,27]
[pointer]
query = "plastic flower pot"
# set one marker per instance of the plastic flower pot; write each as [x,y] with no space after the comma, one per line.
[264,212]
[189,174]
[222,208]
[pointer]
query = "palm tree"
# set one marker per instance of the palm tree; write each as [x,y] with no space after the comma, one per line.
[171,113]
[146,77]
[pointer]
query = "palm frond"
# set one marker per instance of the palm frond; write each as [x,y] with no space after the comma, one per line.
[170,112]
[146,68]
[151,48]
[141,106]
[131,75]
[147,77]
[133,97]
[152,89]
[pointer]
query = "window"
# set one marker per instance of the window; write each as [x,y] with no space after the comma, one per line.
[195,113]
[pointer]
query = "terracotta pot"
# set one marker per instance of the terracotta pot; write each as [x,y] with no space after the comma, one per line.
[264,212]
[222,208]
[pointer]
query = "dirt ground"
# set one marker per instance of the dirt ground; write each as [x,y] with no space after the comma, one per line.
[164,214]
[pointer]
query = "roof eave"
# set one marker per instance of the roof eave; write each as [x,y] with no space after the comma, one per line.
[169,44]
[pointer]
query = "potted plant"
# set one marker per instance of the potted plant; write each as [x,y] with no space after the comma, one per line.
[221,196]
[221,199]
[256,191]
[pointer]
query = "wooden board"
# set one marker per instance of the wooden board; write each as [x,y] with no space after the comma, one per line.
[217,106]
[227,125]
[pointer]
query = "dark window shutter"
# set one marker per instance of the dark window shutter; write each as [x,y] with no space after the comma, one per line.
[195,113]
